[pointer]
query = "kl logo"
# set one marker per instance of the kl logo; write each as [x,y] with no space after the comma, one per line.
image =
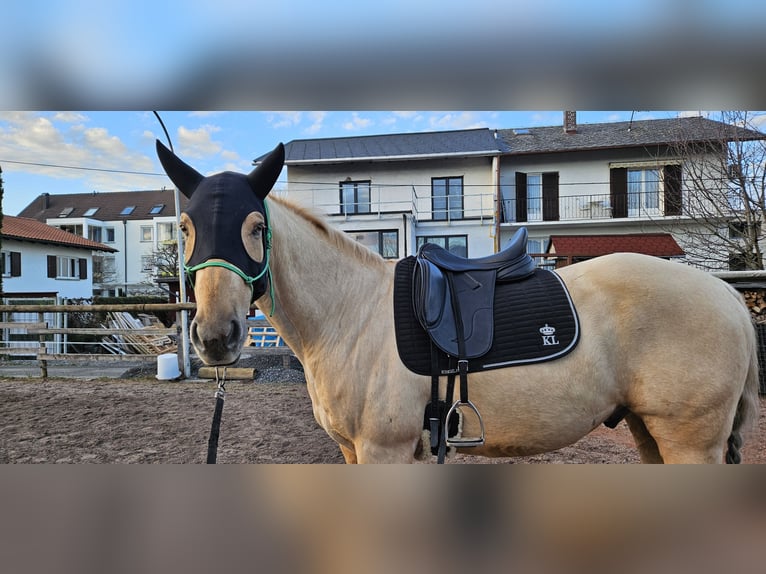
[549,335]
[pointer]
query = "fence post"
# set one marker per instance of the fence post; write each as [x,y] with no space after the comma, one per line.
[42,362]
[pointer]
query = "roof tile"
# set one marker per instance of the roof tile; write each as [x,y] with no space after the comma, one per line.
[26,229]
[657,244]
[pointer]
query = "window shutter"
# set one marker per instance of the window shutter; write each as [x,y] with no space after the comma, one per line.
[673,198]
[551,196]
[15,264]
[521,196]
[618,191]
[83,268]
[52,267]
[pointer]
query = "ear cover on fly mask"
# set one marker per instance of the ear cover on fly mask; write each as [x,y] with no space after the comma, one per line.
[218,206]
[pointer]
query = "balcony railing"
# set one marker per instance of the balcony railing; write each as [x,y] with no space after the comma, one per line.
[586,207]
[476,202]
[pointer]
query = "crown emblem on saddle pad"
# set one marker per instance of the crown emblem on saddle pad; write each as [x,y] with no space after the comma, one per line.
[549,335]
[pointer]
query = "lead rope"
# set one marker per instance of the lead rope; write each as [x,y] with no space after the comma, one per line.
[220,394]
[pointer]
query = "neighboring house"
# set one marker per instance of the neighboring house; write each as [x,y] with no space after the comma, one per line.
[39,261]
[470,190]
[136,224]
[594,180]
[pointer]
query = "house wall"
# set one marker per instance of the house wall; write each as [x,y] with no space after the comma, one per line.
[393,184]
[401,198]
[34,270]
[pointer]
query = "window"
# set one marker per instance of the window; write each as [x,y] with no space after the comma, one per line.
[157,209]
[146,233]
[62,267]
[643,192]
[90,211]
[76,229]
[109,234]
[10,263]
[66,211]
[147,263]
[536,197]
[447,198]
[457,244]
[637,191]
[166,232]
[127,210]
[94,233]
[384,243]
[354,197]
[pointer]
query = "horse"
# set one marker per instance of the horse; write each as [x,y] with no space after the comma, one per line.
[671,345]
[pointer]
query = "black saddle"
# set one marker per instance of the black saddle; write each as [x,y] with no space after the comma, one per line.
[453,297]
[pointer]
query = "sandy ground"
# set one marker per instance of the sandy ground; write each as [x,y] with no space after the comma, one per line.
[142,420]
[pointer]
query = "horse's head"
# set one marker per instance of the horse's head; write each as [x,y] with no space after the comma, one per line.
[226,248]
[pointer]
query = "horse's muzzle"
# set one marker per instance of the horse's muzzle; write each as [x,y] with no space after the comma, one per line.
[219,344]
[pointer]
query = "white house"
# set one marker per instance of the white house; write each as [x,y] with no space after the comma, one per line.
[39,261]
[134,225]
[470,190]
[393,192]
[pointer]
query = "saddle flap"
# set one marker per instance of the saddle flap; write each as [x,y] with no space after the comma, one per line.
[434,299]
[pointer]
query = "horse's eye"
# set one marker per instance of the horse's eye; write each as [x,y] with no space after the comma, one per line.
[258,230]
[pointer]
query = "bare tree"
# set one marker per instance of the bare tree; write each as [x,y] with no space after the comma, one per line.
[164,260]
[724,172]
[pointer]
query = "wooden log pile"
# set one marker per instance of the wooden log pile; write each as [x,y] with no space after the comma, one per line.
[139,339]
[756,302]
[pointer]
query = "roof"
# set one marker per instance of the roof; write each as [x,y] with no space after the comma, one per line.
[109,205]
[657,244]
[389,147]
[509,142]
[26,229]
[621,135]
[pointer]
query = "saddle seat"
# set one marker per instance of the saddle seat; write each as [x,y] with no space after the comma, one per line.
[511,263]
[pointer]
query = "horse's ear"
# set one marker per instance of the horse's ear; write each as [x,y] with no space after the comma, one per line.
[263,177]
[185,177]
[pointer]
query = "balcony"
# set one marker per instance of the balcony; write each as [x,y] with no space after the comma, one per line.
[588,207]
[476,203]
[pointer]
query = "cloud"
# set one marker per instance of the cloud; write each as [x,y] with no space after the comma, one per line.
[317,119]
[357,122]
[456,120]
[280,120]
[44,143]
[198,143]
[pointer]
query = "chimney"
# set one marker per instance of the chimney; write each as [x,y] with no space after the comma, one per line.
[570,122]
[45,200]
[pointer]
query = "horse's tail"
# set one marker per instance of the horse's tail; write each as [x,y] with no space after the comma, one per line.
[747,409]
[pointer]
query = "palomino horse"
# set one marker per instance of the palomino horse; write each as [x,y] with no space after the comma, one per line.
[671,344]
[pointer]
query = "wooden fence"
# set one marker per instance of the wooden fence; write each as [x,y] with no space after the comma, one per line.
[261,333]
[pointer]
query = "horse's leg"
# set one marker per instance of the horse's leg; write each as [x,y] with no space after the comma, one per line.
[369,452]
[688,441]
[647,446]
[349,454]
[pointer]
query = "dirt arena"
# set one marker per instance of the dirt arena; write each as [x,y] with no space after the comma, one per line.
[141,420]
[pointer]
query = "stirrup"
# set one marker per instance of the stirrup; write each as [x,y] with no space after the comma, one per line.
[461,442]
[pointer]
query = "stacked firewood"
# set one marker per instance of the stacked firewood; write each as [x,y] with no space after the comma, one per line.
[756,302]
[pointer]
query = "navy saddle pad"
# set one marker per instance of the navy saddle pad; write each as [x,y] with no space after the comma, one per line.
[534,321]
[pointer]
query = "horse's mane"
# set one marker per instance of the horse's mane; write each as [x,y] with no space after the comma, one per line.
[336,237]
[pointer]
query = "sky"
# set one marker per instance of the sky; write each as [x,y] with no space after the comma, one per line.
[246,57]
[82,152]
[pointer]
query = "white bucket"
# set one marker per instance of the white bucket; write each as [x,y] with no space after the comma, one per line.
[167,367]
